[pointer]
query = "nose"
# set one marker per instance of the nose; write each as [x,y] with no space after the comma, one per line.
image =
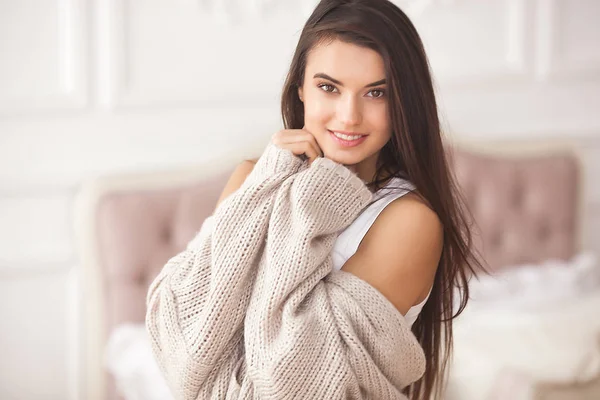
[349,111]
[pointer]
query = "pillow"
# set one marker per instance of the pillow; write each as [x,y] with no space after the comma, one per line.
[536,286]
[530,324]
[559,344]
[129,359]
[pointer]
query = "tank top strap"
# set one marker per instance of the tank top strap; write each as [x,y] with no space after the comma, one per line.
[351,238]
[396,187]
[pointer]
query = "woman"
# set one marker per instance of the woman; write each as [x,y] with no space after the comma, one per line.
[359,92]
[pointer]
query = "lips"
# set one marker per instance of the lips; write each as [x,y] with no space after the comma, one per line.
[345,142]
[347,133]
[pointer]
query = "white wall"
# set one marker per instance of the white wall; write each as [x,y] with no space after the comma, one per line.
[96,86]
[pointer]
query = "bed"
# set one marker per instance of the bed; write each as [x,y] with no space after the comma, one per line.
[525,201]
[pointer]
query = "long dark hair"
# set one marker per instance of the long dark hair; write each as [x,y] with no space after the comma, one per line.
[414,152]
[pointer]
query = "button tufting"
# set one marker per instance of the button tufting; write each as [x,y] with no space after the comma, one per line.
[166,234]
[544,232]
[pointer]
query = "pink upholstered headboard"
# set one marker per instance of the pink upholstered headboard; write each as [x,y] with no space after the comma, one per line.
[526,209]
[128,227]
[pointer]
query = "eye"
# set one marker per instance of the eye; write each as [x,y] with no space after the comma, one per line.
[327,87]
[377,93]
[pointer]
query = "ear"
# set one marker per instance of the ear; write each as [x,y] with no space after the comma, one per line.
[300,94]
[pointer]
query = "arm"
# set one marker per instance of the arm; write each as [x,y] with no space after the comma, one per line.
[236,179]
[328,334]
[401,251]
[196,306]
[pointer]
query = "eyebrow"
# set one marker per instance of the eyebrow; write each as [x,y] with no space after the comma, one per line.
[325,76]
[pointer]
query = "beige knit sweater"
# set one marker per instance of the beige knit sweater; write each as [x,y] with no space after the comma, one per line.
[253,308]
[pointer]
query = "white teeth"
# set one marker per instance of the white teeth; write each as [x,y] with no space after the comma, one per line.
[346,137]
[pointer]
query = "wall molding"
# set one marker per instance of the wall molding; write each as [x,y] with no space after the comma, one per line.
[235,11]
[73,66]
[114,84]
[517,66]
[549,62]
[73,331]
[117,92]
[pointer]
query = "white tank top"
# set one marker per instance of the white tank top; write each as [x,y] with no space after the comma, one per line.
[349,239]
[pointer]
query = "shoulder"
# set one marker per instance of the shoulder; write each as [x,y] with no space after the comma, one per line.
[411,212]
[236,179]
[241,172]
[409,218]
[400,253]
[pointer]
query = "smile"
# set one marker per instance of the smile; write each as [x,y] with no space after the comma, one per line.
[346,139]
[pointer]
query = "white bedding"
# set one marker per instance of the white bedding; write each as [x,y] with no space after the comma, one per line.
[129,358]
[532,324]
[535,323]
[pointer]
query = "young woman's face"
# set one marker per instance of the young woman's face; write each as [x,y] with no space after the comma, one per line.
[344,91]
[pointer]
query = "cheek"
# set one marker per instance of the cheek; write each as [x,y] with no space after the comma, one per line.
[379,119]
[317,112]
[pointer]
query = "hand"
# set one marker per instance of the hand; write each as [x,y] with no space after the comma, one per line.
[300,141]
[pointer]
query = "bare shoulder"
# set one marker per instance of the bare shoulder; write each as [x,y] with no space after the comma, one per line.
[410,211]
[409,217]
[414,205]
[236,179]
[400,252]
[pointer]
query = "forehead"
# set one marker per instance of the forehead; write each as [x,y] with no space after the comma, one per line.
[346,62]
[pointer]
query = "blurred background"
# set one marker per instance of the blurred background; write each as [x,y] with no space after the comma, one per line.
[96,95]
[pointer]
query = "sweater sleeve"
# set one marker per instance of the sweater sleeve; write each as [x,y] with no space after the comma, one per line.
[313,330]
[197,303]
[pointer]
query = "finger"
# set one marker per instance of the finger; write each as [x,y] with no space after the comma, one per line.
[311,151]
[312,141]
[311,138]
[299,135]
[303,148]
[290,137]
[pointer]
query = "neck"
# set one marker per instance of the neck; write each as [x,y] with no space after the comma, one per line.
[366,169]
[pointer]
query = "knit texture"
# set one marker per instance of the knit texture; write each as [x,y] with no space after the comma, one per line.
[253,309]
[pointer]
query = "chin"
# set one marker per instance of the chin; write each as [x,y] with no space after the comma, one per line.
[345,156]
[345,159]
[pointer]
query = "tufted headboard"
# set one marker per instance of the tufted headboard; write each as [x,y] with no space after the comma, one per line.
[525,202]
[128,226]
